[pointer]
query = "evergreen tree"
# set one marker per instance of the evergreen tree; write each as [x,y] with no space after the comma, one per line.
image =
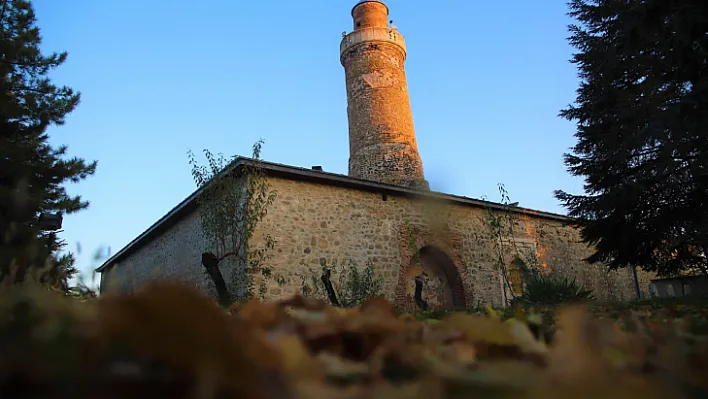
[642,127]
[32,173]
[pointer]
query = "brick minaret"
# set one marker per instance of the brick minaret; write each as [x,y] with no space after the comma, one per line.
[382,144]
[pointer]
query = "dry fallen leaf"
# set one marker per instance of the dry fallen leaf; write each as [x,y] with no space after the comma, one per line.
[171,340]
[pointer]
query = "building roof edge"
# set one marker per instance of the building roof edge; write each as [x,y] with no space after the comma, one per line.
[322,177]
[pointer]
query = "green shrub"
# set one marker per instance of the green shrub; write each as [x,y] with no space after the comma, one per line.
[548,291]
[352,283]
[356,285]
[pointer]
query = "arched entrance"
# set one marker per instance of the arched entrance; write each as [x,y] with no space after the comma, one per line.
[432,281]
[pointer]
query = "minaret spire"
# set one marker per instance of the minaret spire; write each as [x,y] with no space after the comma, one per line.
[382,142]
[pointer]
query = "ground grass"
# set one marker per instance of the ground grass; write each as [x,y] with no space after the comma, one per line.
[691,309]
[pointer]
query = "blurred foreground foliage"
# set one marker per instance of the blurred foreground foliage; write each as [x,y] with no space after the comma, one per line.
[169,340]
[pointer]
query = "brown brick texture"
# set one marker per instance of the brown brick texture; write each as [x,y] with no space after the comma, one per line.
[382,142]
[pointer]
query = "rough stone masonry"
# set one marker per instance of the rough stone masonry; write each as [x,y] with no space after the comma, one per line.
[382,144]
[382,213]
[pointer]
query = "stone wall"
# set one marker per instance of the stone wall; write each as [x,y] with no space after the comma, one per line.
[679,286]
[313,222]
[175,254]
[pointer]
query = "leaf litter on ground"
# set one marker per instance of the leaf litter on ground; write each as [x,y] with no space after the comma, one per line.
[171,340]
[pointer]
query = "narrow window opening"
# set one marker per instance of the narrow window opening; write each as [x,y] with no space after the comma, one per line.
[384,197]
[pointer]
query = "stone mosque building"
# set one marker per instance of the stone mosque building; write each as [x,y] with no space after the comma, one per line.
[380,213]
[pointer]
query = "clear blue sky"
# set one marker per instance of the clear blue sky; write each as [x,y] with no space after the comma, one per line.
[486,78]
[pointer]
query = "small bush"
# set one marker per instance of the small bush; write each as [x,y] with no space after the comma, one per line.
[356,285]
[352,284]
[548,291]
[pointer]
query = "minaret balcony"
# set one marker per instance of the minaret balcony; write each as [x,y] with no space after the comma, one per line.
[378,35]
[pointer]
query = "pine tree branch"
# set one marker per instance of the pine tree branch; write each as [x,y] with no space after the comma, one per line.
[2,17]
[30,89]
[25,64]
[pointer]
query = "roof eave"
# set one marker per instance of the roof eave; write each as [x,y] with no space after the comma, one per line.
[189,203]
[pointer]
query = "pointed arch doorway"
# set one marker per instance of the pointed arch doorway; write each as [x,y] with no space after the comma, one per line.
[432,281]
